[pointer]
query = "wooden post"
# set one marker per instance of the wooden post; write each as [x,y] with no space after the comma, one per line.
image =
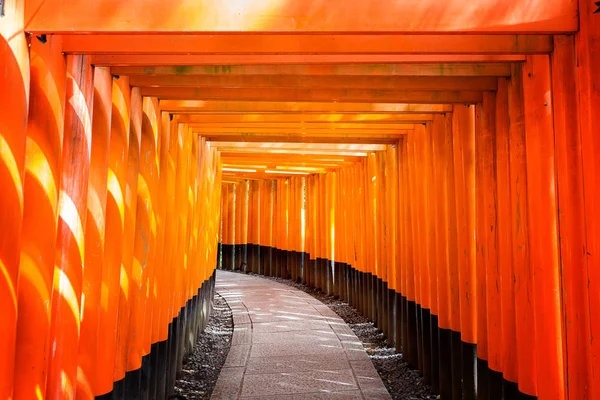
[40,215]
[523,277]
[95,234]
[543,224]
[588,52]
[463,128]
[14,103]
[114,231]
[503,357]
[70,243]
[572,219]
[488,280]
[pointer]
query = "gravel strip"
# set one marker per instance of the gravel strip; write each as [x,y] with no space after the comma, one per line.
[201,368]
[402,382]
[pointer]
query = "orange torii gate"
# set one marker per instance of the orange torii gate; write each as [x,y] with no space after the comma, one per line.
[432,163]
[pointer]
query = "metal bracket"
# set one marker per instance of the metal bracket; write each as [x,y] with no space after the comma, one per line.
[1,8]
[597,5]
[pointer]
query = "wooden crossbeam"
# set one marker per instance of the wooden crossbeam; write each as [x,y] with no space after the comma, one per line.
[284,153]
[233,156]
[299,129]
[409,16]
[307,138]
[285,59]
[295,107]
[307,44]
[309,119]
[425,69]
[321,82]
[316,95]
[298,146]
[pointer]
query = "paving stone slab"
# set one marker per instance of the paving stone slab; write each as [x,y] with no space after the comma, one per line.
[288,345]
[298,382]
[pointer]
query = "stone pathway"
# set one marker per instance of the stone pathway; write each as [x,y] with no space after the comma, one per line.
[288,345]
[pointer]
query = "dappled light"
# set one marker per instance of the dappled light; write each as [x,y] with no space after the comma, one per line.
[433,165]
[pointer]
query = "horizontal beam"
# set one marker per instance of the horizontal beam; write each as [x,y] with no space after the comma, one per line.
[233,106]
[298,146]
[307,44]
[285,59]
[275,129]
[317,82]
[305,118]
[238,156]
[250,163]
[260,175]
[308,138]
[316,95]
[283,153]
[414,16]
[425,69]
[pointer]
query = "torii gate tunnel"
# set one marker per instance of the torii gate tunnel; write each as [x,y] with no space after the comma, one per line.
[434,163]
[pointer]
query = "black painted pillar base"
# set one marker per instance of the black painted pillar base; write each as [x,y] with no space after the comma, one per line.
[412,338]
[420,337]
[445,362]
[399,323]
[469,362]
[435,354]
[391,322]
[426,343]
[456,364]
[495,385]
[483,389]
[511,391]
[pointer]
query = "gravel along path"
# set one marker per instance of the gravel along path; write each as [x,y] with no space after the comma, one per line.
[201,368]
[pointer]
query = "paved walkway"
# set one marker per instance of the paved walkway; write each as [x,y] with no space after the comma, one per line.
[288,345]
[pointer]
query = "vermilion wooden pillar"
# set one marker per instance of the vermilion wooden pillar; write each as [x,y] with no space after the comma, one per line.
[442,286]
[40,215]
[70,243]
[95,234]
[523,276]
[160,318]
[14,102]
[114,234]
[488,281]
[144,246]
[572,219]
[148,198]
[126,281]
[453,265]
[543,226]
[588,75]
[463,128]
[503,357]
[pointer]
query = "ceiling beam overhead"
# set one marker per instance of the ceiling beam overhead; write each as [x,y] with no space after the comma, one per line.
[300,128]
[425,69]
[295,107]
[306,16]
[284,59]
[362,119]
[249,43]
[284,153]
[299,146]
[232,155]
[306,138]
[438,83]
[315,95]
